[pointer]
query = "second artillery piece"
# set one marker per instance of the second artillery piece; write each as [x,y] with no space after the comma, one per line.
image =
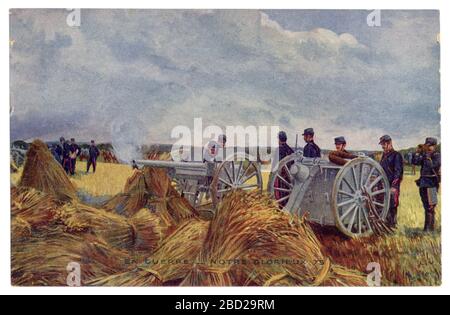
[206,183]
[346,197]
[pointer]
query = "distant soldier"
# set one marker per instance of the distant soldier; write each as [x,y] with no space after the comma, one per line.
[392,163]
[65,154]
[341,155]
[430,161]
[55,152]
[311,149]
[410,162]
[75,151]
[94,153]
[59,150]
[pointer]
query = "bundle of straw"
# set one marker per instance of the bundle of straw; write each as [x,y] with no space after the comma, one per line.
[165,200]
[149,231]
[170,264]
[20,230]
[133,199]
[36,208]
[42,172]
[142,232]
[43,260]
[250,242]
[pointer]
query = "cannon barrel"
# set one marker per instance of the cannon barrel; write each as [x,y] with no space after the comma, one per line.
[170,164]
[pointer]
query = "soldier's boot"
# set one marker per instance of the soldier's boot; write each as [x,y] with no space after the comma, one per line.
[427,222]
[432,220]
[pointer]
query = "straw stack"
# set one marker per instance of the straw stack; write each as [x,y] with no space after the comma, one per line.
[43,260]
[250,242]
[43,173]
[20,229]
[36,208]
[170,264]
[166,201]
[133,199]
[142,232]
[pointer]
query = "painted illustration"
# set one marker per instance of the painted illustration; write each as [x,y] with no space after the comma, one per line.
[205,148]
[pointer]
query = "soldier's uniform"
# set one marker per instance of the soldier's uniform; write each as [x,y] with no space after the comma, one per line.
[340,157]
[429,182]
[75,153]
[392,163]
[311,150]
[94,152]
[66,157]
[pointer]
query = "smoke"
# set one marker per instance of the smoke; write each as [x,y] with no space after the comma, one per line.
[128,137]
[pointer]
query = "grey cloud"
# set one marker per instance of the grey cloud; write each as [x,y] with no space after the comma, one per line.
[165,68]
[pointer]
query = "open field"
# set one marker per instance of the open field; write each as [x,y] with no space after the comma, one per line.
[409,258]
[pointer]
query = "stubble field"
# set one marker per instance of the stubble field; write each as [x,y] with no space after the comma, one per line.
[408,258]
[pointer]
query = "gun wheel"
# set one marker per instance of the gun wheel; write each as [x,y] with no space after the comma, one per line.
[282,181]
[236,173]
[360,182]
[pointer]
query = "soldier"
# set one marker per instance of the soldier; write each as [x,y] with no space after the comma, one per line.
[430,161]
[74,153]
[341,155]
[59,150]
[284,150]
[392,163]
[311,149]
[94,153]
[65,153]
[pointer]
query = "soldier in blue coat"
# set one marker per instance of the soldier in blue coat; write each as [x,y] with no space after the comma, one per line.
[430,161]
[64,149]
[392,163]
[311,150]
[94,152]
[75,152]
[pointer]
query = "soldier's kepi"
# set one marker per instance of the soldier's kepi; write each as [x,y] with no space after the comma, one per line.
[430,161]
[311,149]
[341,156]
[392,163]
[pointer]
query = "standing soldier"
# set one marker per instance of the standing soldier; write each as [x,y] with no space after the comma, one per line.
[94,152]
[341,155]
[59,150]
[66,162]
[311,149]
[74,153]
[430,161]
[284,149]
[392,163]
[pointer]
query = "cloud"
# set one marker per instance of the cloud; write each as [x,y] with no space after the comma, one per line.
[149,71]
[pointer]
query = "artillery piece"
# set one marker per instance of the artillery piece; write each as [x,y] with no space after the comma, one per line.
[208,182]
[332,195]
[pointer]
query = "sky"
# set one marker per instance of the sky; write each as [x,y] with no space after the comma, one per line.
[131,76]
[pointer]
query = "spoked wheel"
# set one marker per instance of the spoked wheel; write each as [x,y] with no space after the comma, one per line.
[236,173]
[188,189]
[282,181]
[359,184]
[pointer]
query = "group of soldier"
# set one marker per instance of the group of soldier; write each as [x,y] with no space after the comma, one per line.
[426,156]
[67,153]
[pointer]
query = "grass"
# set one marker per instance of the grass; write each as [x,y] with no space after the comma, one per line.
[408,258]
